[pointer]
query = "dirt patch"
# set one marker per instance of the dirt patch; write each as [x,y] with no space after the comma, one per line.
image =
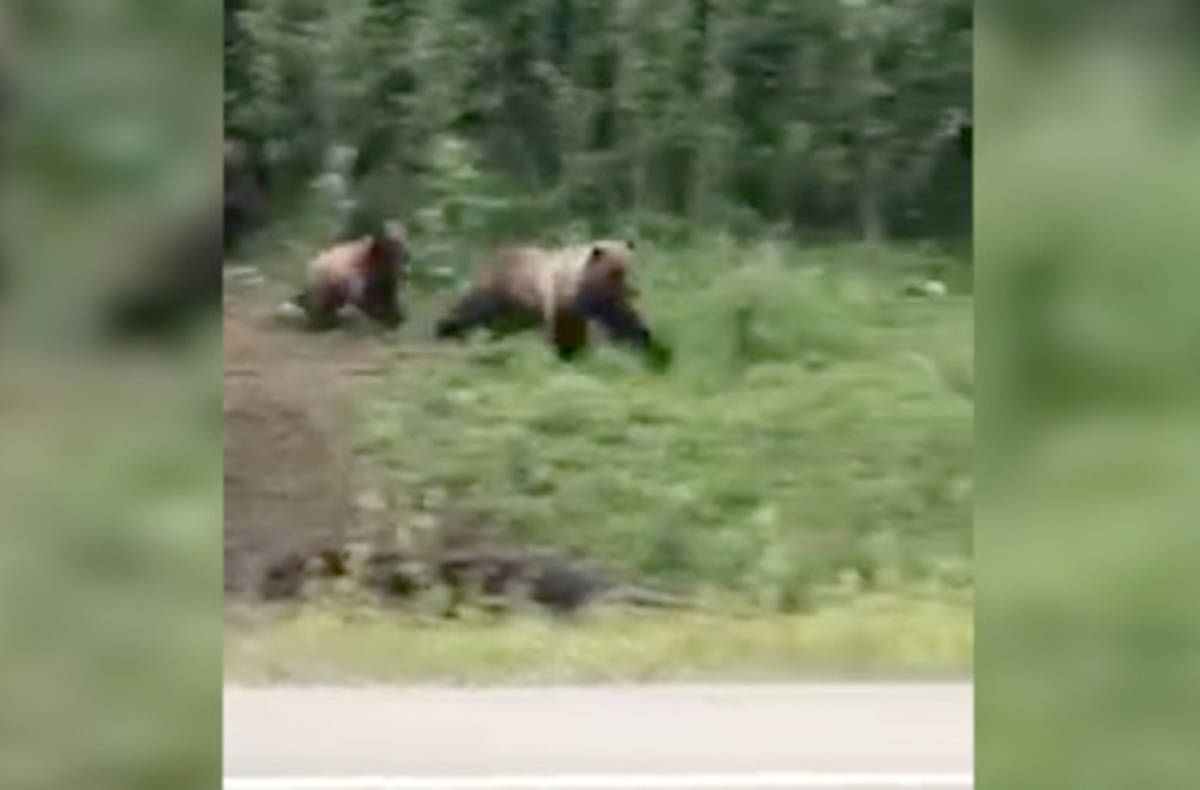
[291,484]
[288,488]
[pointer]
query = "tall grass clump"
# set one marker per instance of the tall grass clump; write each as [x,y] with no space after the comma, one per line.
[763,313]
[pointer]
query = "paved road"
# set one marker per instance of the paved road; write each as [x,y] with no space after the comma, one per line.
[869,736]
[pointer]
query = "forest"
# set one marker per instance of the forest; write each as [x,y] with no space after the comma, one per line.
[829,118]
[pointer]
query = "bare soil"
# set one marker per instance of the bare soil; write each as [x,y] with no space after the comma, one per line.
[288,490]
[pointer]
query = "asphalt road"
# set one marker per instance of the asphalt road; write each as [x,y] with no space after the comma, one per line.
[869,736]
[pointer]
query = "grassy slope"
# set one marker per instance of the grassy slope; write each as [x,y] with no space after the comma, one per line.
[809,456]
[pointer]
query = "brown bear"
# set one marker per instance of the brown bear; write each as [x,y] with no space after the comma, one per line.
[561,291]
[367,272]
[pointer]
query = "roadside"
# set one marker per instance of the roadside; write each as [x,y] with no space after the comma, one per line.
[915,735]
[869,637]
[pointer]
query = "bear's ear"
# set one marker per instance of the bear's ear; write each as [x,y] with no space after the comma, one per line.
[629,243]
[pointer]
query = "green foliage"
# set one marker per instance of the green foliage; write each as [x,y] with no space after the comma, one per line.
[895,634]
[829,115]
[809,432]
[111,473]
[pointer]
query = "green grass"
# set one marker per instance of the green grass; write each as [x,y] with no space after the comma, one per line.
[873,635]
[817,422]
[808,460]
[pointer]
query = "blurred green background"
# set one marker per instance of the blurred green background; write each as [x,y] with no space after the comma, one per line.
[110,486]
[1088,335]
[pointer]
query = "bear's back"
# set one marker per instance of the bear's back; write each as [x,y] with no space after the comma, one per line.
[545,278]
[528,275]
[340,267]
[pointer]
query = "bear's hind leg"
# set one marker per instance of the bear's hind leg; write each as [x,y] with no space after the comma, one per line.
[320,306]
[472,310]
[384,309]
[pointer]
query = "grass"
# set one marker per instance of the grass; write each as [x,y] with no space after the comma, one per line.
[110,475]
[871,635]
[817,422]
[814,435]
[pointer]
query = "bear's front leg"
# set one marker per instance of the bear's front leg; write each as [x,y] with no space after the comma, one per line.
[569,334]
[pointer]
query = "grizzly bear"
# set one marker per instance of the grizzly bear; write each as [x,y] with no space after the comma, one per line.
[366,272]
[560,291]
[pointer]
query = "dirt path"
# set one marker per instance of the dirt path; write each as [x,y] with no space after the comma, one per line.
[288,489]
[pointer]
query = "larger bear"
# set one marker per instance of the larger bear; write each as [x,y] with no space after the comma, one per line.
[560,291]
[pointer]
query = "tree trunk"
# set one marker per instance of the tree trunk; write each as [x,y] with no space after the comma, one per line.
[870,199]
[869,155]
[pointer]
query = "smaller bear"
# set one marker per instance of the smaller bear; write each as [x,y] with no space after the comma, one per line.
[367,272]
[560,291]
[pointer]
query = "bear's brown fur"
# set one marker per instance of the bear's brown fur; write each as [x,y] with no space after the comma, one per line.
[559,290]
[367,272]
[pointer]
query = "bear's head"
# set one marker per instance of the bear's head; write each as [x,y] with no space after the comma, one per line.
[606,274]
[607,295]
[387,272]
